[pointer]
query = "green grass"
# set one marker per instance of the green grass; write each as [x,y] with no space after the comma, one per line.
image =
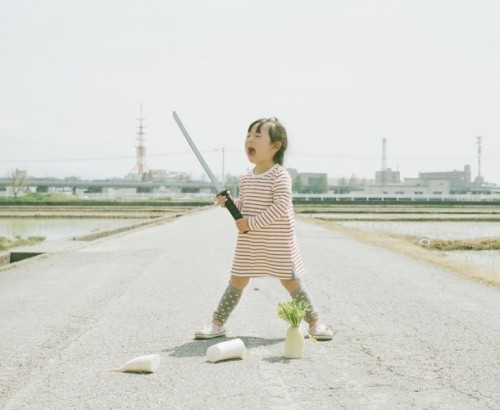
[480,244]
[52,199]
[8,243]
[34,197]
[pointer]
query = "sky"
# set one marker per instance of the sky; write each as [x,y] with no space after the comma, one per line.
[341,75]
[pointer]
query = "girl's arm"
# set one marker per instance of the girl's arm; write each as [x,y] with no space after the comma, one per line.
[237,201]
[282,199]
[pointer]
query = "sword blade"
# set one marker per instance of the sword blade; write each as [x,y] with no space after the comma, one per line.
[215,181]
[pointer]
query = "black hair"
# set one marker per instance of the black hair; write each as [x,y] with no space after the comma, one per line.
[277,133]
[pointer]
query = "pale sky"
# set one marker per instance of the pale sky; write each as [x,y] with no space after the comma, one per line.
[341,76]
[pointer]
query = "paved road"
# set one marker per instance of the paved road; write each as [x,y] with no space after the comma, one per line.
[408,334]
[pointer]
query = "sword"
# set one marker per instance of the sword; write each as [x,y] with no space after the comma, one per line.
[235,212]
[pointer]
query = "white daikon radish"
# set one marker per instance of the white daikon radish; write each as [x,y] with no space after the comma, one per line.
[146,364]
[230,349]
[294,343]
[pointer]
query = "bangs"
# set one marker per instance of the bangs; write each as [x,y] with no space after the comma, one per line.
[259,123]
[271,121]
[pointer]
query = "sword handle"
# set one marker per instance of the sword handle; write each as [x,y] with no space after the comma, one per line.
[231,207]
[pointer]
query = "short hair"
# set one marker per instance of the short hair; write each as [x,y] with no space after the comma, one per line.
[277,133]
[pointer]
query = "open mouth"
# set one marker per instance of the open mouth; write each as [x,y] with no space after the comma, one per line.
[251,151]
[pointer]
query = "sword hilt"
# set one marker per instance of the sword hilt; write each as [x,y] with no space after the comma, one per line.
[231,207]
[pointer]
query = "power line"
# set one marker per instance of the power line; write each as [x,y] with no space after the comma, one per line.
[333,156]
[361,156]
[164,154]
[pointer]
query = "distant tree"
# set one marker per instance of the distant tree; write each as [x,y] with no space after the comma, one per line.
[184,177]
[343,186]
[321,185]
[18,182]
[232,183]
[353,182]
[147,176]
[298,185]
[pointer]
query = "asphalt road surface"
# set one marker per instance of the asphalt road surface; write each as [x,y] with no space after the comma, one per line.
[407,334]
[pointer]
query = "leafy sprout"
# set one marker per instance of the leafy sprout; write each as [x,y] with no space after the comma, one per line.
[293,312]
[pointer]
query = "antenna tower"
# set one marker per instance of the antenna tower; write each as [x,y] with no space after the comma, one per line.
[141,149]
[478,157]
[384,161]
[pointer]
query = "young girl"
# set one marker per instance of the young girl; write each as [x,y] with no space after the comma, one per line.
[267,245]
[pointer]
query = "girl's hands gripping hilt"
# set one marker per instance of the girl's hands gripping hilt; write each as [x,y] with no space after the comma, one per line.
[229,204]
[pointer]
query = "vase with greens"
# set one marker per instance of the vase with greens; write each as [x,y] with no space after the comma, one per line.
[293,312]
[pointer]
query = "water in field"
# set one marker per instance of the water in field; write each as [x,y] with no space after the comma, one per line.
[436,229]
[58,228]
[431,230]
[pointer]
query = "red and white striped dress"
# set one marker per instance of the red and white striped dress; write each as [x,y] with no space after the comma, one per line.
[270,248]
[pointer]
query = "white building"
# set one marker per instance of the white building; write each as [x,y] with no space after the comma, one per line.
[411,187]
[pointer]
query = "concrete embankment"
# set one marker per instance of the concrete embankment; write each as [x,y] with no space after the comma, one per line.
[148,215]
[408,334]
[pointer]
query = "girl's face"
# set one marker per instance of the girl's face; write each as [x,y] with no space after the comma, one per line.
[260,149]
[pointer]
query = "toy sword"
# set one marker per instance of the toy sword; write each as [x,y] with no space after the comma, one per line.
[220,189]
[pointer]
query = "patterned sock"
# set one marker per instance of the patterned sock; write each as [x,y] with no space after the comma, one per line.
[301,293]
[227,303]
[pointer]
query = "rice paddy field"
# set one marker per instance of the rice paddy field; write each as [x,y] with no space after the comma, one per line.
[465,239]
[31,223]
[461,238]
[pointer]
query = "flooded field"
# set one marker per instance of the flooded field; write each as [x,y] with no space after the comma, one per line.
[432,230]
[65,221]
[444,231]
[58,228]
[408,225]
[417,227]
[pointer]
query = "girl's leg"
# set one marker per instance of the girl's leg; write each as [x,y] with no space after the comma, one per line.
[229,299]
[299,292]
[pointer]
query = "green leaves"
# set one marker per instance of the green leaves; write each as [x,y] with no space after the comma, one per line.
[293,312]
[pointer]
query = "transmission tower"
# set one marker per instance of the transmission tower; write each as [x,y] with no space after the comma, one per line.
[384,161]
[478,158]
[141,149]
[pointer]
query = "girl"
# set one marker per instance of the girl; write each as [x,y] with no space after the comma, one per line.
[267,245]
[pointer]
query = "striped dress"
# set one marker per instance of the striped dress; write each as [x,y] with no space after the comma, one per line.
[270,248]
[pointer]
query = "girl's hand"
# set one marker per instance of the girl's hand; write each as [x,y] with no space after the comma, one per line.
[242,225]
[221,199]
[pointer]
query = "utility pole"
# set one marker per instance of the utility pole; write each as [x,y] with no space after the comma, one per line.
[384,162]
[478,158]
[141,149]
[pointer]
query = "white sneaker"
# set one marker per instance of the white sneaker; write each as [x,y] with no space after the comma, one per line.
[321,332]
[210,331]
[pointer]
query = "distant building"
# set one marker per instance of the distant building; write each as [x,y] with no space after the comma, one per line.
[411,187]
[388,182]
[311,179]
[460,181]
[164,175]
[157,175]
[387,176]
[428,183]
